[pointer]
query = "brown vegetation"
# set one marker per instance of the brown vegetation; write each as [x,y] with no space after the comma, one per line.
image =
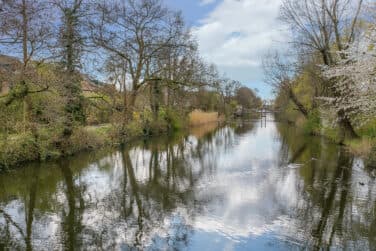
[198,117]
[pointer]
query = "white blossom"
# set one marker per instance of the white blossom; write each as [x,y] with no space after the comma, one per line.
[354,78]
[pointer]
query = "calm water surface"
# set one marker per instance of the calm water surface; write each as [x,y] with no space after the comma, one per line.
[251,186]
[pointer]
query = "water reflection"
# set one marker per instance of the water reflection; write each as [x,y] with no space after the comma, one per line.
[337,206]
[246,186]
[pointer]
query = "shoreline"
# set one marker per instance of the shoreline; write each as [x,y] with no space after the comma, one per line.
[99,139]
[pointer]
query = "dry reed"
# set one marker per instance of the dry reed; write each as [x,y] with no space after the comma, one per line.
[198,117]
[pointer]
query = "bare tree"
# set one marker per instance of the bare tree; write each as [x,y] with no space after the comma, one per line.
[280,75]
[135,31]
[24,25]
[25,31]
[319,24]
[116,69]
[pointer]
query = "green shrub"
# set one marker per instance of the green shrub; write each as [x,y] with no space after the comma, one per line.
[313,123]
[83,139]
[332,133]
[18,148]
[134,129]
[47,138]
[174,119]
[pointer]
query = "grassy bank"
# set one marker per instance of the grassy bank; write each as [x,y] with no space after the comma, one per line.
[364,146]
[45,143]
[23,147]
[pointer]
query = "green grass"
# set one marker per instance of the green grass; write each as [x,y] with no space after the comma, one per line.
[361,147]
[18,148]
[369,129]
[313,124]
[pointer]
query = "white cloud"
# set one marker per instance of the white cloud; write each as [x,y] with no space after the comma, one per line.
[238,33]
[206,2]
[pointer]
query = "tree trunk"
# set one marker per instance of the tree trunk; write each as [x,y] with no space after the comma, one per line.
[72,88]
[25,59]
[132,102]
[125,108]
[327,58]
[298,104]
[346,128]
[155,98]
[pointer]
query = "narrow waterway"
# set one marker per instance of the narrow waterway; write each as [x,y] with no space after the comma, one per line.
[255,185]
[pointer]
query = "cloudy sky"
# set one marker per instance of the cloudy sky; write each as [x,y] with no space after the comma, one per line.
[235,35]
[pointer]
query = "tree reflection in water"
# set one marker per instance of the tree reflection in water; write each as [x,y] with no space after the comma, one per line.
[243,186]
[338,199]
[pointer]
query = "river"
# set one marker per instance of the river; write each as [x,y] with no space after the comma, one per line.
[254,185]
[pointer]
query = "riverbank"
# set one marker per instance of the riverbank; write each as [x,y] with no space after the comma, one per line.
[364,146]
[24,147]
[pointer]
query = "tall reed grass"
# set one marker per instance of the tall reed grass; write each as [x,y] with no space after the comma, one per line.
[198,117]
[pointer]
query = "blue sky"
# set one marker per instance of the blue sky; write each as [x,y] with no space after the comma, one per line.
[235,35]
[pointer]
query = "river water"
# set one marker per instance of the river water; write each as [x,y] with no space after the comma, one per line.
[255,185]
